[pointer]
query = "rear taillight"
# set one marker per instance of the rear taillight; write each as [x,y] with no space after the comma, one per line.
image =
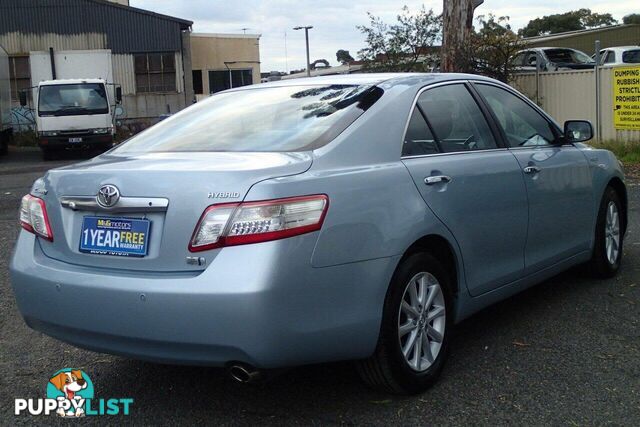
[232,224]
[34,218]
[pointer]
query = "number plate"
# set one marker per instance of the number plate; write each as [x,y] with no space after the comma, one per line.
[75,139]
[115,236]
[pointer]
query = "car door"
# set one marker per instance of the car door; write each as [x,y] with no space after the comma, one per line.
[557,177]
[474,186]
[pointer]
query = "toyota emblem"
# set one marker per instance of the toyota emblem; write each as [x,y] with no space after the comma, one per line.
[108,195]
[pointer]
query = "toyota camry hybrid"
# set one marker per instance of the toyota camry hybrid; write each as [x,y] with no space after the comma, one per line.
[353,217]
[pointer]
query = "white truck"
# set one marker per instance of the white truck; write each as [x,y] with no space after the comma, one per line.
[74,101]
[6,131]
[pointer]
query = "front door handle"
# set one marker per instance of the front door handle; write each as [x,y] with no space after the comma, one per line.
[431,180]
[532,169]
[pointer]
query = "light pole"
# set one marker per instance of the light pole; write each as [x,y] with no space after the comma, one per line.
[306,36]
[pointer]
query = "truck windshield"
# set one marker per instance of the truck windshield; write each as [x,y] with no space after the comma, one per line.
[72,99]
[286,118]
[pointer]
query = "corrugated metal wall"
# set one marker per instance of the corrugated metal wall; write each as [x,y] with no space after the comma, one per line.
[22,43]
[570,95]
[622,35]
[97,24]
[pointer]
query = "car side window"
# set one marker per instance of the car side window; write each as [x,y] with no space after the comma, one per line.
[521,123]
[518,60]
[457,122]
[418,141]
[610,58]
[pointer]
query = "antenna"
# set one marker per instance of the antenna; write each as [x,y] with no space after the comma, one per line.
[286,57]
[244,30]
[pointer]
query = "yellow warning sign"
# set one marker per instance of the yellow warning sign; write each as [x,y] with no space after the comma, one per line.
[626,98]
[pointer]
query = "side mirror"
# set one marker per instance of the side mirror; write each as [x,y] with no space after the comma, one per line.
[118,95]
[119,111]
[22,95]
[578,130]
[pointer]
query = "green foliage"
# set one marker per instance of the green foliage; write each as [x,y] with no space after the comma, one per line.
[627,152]
[570,21]
[403,46]
[491,48]
[343,56]
[27,138]
[633,18]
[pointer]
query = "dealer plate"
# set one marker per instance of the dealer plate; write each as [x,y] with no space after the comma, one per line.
[115,236]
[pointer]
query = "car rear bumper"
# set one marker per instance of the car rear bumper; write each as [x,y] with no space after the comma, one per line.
[271,312]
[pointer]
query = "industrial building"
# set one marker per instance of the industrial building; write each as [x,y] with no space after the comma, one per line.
[150,53]
[584,40]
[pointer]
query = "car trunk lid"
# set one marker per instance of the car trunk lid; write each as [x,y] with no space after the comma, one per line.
[171,190]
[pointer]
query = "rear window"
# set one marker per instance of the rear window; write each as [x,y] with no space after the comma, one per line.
[631,56]
[288,118]
[567,56]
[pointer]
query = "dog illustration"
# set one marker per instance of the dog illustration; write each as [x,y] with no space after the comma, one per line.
[69,383]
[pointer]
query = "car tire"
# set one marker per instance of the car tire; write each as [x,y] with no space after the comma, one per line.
[607,249]
[388,369]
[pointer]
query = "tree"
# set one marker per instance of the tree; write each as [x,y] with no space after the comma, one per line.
[570,21]
[491,48]
[404,46]
[457,23]
[343,56]
[633,18]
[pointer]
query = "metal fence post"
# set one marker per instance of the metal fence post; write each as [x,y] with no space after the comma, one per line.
[596,72]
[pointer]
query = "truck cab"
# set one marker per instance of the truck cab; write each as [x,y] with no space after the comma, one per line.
[74,113]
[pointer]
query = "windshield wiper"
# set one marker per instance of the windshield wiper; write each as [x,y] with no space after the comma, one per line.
[66,109]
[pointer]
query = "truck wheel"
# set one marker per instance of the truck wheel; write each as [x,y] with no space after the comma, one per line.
[4,143]
[48,154]
[415,330]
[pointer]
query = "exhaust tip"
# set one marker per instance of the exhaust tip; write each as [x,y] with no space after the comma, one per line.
[244,374]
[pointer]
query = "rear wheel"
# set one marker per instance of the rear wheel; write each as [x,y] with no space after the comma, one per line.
[607,251]
[416,324]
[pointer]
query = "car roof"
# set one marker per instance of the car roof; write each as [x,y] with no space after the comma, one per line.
[371,79]
[621,48]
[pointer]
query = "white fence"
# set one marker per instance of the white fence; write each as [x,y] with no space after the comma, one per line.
[569,95]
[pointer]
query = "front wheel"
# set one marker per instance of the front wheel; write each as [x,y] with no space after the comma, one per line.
[607,251]
[416,324]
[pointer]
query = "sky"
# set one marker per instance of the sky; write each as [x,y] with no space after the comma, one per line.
[334,21]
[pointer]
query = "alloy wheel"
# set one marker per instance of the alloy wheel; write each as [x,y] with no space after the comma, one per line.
[422,321]
[612,233]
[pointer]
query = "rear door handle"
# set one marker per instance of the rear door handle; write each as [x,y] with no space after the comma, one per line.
[431,180]
[531,169]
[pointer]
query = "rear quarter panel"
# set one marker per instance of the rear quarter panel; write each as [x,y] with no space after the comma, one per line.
[375,209]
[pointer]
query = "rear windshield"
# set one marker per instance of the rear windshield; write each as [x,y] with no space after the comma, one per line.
[289,118]
[567,56]
[631,56]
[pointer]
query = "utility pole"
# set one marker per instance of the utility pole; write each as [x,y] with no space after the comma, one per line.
[457,23]
[306,36]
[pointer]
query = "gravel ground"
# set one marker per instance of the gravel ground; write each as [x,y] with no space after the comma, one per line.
[564,352]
